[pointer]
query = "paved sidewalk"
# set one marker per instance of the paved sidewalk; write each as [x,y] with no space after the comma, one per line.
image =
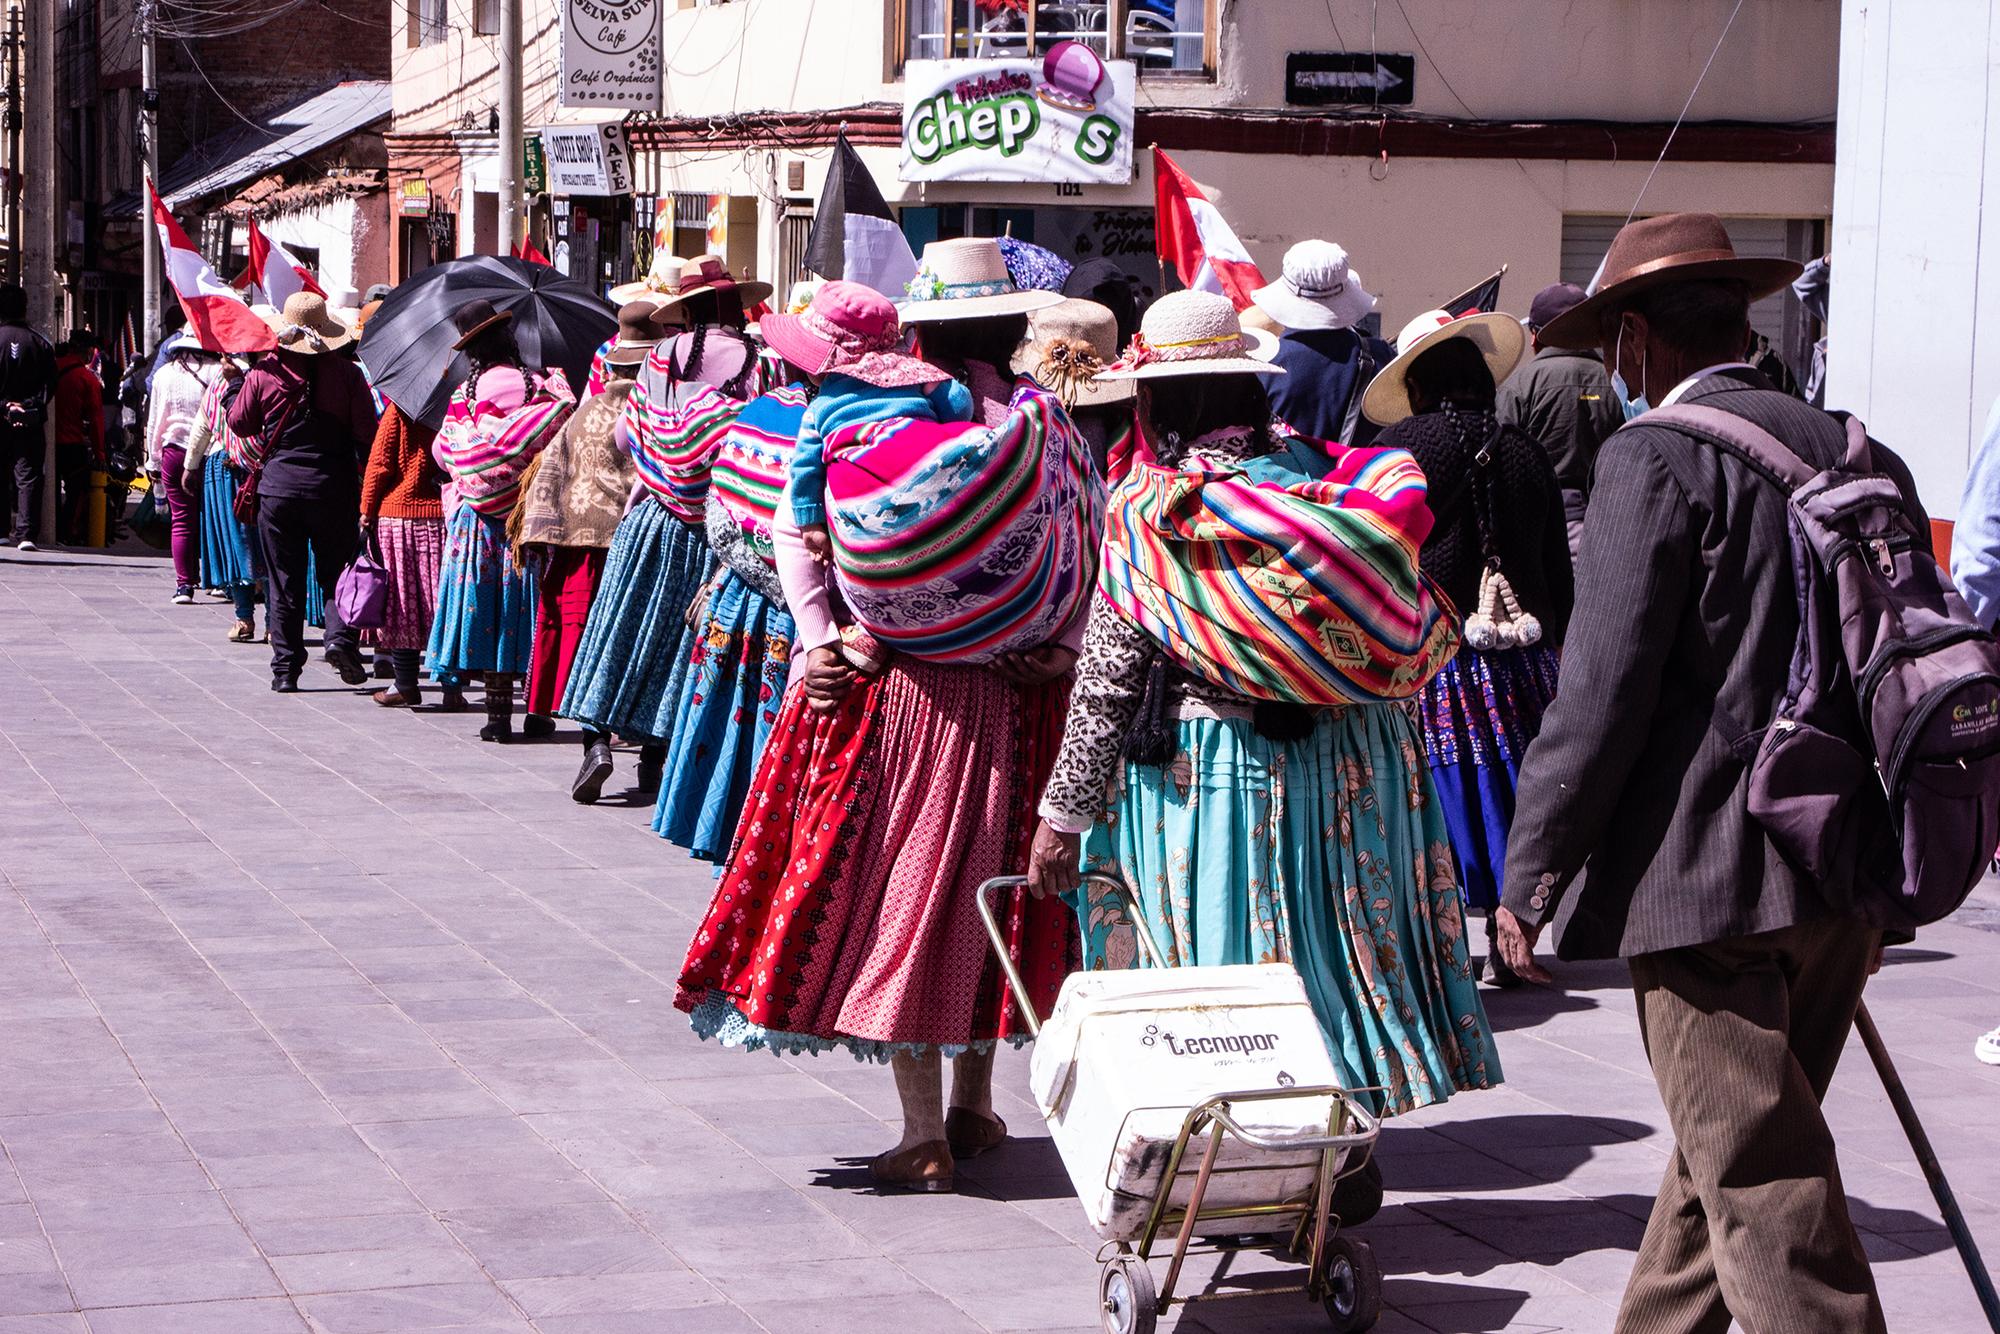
[317,1016]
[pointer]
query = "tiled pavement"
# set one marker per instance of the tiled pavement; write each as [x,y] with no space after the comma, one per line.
[315,1016]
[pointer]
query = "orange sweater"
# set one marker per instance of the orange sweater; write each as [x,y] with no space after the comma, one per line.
[401,481]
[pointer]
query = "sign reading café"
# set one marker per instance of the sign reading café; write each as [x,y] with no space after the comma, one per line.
[611,54]
[1066,117]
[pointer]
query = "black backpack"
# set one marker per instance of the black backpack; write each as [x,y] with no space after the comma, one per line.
[1887,739]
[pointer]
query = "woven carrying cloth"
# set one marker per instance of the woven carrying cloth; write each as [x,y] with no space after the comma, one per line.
[752,462]
[1306,592]
[958,542]
[489,450]
[673,434]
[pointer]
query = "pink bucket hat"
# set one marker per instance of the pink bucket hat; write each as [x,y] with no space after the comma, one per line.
[852,330]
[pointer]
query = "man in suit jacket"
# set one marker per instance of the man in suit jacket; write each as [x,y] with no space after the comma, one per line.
[1747,980]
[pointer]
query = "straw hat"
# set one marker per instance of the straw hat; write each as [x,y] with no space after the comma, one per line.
[966,279]
[474,318]
[706,273]
[1194,333]
[851,330]
[1318,290]
[663,276]
[1069,344]
[638,335]
[1499,338]
[1672,248]
[306,325]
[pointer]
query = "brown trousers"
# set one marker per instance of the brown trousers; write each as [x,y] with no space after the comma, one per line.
[1751,1220]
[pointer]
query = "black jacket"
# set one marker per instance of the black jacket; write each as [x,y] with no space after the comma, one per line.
[27,372]
[1326,371]
[1527,513]
[1686,610]
[1563,398]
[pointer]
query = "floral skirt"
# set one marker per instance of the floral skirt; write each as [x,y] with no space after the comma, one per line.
[846,914]
[1328,853]
[413,554]
[485,618]
[229,555]
[619,676]
[722,706]
[1478,715]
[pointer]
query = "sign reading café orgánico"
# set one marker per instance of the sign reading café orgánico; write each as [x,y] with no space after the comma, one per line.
[611,54]
[1064,117]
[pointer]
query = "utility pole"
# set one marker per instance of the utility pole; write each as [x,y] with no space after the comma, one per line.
[13,125]
[149,138]
[510,126]
[40,179]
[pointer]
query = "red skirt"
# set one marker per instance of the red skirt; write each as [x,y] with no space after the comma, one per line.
[846,914]
[562,606]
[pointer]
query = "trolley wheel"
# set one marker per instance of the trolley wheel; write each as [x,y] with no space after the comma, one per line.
[1129,1301]
[1357,1197]
[1353,1279]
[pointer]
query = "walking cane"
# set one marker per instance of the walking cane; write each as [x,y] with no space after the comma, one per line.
[1968,1249]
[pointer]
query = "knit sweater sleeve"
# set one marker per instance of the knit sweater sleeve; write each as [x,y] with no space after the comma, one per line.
[1110,679]
[807,470]
[384,457]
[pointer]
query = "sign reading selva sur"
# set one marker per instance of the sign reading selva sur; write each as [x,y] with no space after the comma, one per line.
[587,159]
[1065,118]
[611,54]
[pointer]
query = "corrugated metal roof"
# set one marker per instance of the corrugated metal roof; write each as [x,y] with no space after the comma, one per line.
[243,154]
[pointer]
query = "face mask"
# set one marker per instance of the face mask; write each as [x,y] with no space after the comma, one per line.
[1632,404]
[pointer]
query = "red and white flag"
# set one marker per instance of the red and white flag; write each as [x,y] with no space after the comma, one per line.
[1194,237]
[217,317]
[526,249]
[274,272]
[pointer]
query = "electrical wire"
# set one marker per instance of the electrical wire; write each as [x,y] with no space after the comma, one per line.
[1699,78]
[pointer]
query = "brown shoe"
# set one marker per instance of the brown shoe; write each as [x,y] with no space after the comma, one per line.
[242,633]
[453,702]
[971,1134]
[925,1167]
[393,698]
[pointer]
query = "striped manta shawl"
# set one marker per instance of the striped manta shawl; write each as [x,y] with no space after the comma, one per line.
[487,450]
[242,454]
[754,459]
[1295,590]
[957,542]
[673,432]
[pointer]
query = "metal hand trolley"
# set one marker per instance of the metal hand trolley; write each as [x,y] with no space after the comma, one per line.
[1342,1273]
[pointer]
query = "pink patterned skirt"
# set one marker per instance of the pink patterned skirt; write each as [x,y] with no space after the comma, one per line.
[412,551]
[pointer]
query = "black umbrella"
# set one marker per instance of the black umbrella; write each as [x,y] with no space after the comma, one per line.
[407,344]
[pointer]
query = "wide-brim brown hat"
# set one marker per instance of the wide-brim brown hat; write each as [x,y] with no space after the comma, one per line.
[638,334]
[474,318]
[1672,248]
[306,325]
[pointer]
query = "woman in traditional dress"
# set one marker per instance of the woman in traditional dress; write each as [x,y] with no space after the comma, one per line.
[571,502]
[498,421]
[889,791]
[229,559]
[402,513]
[1208,755]
[659,557]
[178,391]
[1499,517]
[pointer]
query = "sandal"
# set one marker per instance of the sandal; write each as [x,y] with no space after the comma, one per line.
[393,698]
[925,1167]
[242,633]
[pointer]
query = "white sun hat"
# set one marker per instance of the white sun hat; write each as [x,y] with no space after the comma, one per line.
[1319,289]
[1499,338]
[965,279]
[1194,333]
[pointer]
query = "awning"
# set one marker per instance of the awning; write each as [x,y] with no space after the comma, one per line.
[244,153]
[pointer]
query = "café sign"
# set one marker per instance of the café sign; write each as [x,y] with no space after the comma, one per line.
[1066,117]
[587,159]
[611,54]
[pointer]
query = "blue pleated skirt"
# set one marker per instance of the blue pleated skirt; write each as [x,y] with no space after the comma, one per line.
[718,714]
[485,618]
[1329,853]
[229,556]
[619,678]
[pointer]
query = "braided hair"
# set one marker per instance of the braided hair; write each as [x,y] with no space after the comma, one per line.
[1182,409]
[493,349]
[738,385]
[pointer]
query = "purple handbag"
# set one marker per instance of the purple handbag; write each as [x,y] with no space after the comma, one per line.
[361,595]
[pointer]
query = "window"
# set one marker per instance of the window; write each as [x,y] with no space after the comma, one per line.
[486,17]
[1161,36]
[428,21]
[690,239]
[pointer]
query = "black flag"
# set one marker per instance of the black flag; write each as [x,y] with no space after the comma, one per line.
[1480,299]
[854,235]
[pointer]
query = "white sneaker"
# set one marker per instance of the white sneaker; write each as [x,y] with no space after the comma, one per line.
[26,544]
[1987,1049]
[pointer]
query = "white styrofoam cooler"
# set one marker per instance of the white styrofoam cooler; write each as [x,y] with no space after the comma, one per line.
[1123,1057]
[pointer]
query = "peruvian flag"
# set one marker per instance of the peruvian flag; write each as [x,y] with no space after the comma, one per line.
[217,317]
[1197,241]
[274,272]
[1193,237]
[526,249]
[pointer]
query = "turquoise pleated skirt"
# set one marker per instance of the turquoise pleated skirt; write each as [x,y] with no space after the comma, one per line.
[485,618]
[717,714]
[1329,852]
[618,680]
[229,557]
